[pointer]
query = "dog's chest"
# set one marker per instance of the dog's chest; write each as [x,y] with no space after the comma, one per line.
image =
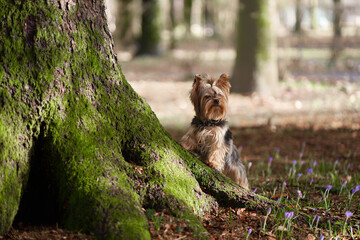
[211,137]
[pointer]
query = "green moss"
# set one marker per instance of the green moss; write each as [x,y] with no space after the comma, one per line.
[14,147]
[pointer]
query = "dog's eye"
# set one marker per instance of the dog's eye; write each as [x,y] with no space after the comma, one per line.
[207,96]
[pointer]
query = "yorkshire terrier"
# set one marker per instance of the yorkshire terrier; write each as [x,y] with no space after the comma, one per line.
[209,135]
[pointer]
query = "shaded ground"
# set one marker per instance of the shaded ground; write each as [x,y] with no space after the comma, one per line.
[258,143]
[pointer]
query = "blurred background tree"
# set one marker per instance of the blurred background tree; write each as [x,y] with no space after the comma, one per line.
[311,37]
[151,29]
[337,32]
[255,67]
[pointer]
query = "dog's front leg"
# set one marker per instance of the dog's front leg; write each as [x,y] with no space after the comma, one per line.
[216,158]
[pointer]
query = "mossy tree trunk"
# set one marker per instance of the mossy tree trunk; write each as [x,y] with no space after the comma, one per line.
[151,27]
[255,67]
[79,147]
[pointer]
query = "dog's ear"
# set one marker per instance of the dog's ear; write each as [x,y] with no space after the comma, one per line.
[195,91]
[223,83]
[197,79]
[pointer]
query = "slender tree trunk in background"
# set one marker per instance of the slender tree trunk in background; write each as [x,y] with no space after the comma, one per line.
[173,24]
[209,24]
[313,7]
[255,67]
[187,16]
[78,146]
[151,28]
[123,35]
[337,33]
[299,14]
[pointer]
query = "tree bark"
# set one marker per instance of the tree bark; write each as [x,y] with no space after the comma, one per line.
[78,145]
[255,67]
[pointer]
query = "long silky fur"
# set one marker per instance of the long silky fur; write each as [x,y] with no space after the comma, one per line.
[213,143]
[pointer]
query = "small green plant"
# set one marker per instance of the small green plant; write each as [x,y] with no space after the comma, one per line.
[267,215]
[348,215]
[157,220]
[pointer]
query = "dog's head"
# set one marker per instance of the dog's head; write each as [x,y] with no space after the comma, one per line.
[210,97]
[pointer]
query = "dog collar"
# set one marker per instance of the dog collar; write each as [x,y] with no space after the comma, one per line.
[208,123]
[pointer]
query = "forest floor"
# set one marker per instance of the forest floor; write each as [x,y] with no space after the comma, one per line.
[312,122]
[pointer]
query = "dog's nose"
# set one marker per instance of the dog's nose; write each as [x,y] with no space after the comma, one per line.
[216,101]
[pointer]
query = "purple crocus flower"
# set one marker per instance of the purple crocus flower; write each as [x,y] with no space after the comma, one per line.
[311,180]
[301,155]
[278,150]
[344,182]
[249,231]
[309,171]
[284,183]
[328,187]
[357,188]
[315,163]
[255,190]
[299,175]
[294,162]
[268,211]
[353,191]
[299,193]
[289,214]
[322,237]
[270,160]
[348,214]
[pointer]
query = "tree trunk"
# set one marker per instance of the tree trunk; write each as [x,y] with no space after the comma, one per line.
[78,146]
[337,34]
[150,40]
[255,67]
[123,35]
[313,7]
[187,16]
[299,14]
[173,23]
